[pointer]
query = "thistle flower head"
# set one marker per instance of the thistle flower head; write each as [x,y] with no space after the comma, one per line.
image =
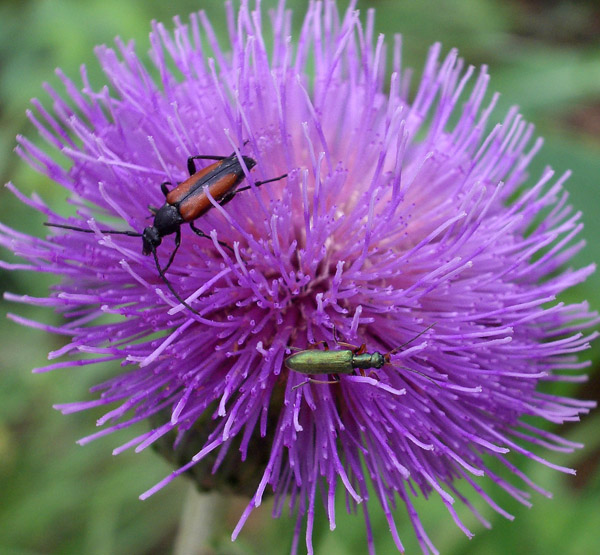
[405,225]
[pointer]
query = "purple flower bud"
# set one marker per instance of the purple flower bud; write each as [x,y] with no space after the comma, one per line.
[406,226]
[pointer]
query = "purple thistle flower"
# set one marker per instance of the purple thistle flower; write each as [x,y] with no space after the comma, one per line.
[402,222]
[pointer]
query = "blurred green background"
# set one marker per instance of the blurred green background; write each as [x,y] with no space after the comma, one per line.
[57,497]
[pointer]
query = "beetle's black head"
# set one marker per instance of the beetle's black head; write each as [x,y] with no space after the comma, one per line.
[250,162]
[151,238]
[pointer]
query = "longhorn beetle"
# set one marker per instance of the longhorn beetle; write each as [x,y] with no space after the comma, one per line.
[186,203]
[342,361]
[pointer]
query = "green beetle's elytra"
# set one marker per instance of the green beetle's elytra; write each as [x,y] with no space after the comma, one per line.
[344,361]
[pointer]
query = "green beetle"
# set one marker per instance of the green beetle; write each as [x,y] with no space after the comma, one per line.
[342,361]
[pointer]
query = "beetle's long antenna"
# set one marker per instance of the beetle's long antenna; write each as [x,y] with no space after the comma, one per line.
[131,234]
[259,183]
[394,351]
[168,284]
[432,380]
[86,230]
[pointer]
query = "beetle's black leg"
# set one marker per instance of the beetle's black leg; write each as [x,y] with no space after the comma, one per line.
[192,167]
[163,187]
[177,243]
[201,233]
[198,232]
[168,284]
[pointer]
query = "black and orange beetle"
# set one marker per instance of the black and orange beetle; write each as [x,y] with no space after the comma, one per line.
[186,203]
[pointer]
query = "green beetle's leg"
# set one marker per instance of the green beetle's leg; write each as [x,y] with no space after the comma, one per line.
[312,380]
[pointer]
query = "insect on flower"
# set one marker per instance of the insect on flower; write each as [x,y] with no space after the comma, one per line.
[314,361]
[186,203]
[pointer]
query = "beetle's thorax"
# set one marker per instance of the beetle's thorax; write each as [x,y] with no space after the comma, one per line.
[167,219]
[250,162]
[365,361]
